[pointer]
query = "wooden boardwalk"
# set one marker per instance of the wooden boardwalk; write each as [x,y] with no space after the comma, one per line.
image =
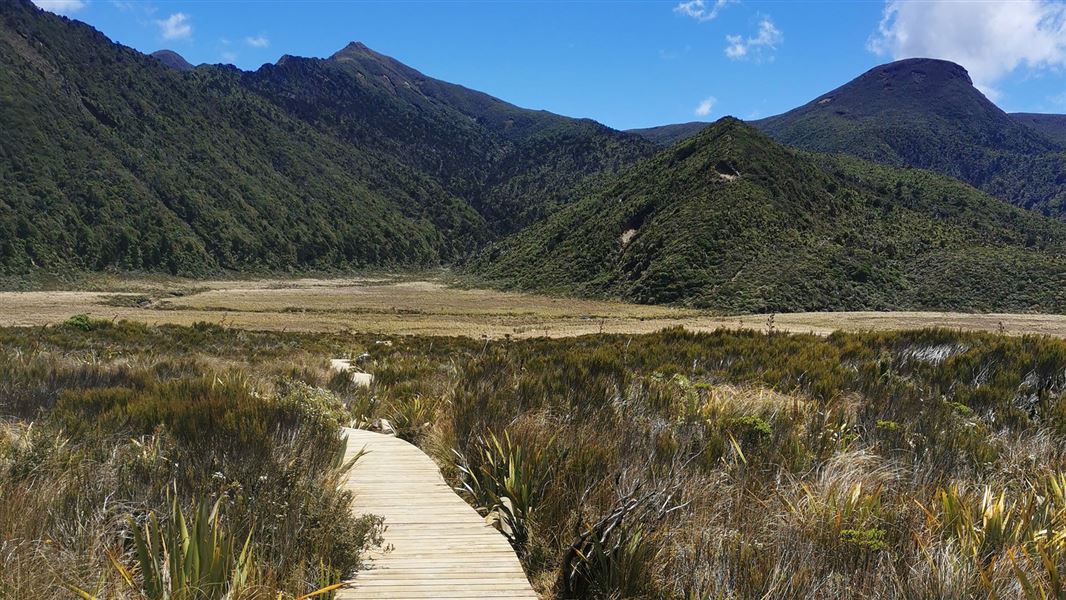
[436,545]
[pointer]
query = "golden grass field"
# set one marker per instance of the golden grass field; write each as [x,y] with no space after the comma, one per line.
[430,306]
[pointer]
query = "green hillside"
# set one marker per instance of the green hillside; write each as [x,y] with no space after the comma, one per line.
[512,164]
[173,60]
[730,220]
[1050,126]
[114,160]
[110,159]
[926,113]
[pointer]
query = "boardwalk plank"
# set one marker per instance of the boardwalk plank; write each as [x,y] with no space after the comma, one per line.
[437,546]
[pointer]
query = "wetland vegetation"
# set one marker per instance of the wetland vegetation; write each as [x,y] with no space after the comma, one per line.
[729,464]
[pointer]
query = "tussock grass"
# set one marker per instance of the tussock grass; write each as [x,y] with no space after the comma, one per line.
[787,466]
[107,446]
[727,464]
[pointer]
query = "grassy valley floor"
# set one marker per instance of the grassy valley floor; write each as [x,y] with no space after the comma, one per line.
[428,305]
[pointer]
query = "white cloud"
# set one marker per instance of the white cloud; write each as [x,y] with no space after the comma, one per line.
[63,7]
[989,39]
[259,41]
[705,106]
[699,9]
[175,27]
[229,57]
[765,41]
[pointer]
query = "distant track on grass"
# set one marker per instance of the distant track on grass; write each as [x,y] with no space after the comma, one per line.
[436,545]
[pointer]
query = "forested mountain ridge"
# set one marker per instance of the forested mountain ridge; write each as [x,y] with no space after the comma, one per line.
[729,219]
[511,163]
[173,60]
[926,113]
[112,159]
[1050,126]
[668,135]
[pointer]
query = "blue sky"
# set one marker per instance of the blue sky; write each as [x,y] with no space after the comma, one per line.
[626,64]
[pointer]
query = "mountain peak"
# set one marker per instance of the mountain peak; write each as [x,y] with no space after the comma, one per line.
[730,148]
[921,69]
[730,220]
[732,130]
[912,84]
[926,113]
[173,60]
[352,49]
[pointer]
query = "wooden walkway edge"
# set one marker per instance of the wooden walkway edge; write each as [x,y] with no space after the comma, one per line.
[436,545]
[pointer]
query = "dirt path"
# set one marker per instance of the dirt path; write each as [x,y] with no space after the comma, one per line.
[437,546]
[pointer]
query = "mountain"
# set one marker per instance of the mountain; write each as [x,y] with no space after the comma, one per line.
[730,220]
[926,113]
[668,135]
[1050,126]
[512,164]
[115,160]
[173,60]
[111,159]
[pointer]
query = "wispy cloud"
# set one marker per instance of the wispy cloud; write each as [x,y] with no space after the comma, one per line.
[229,57]
[63,7]
[702,10]
[989,39]
[758,47]
[175,27]
[705,106]
[258,41]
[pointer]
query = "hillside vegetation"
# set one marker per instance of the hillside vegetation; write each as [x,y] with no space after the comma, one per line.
[926,113]
[668,135]
[511,164]
[729,219]
[736,464]
[113,160]
[117,161]
[169,470]
[1050,126]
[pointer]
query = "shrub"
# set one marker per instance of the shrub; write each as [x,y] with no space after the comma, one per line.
[80,322]
[750,429]
[872,540]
